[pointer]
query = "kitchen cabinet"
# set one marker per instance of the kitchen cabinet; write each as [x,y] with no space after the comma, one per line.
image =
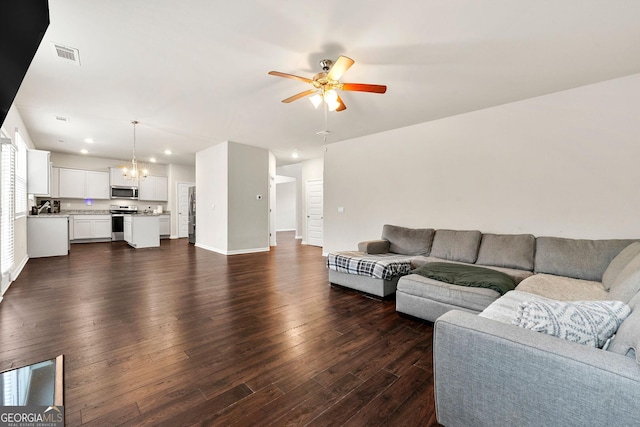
[141,231]
[165,225]
[83,184]
[97,185]
[91,227]
[116,178]
[47,235]
[55,182]
[39,172]
[154,188]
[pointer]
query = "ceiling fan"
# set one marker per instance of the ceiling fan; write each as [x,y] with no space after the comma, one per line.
[326,83]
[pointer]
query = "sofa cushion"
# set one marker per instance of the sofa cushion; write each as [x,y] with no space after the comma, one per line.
[467,275]
[373,247]
[563,288]
[382,266]
[517,275]
[627,339]
[507,250]
[627,282]
[456,245]
[619,263]
[581,259]
[476,299]
[408,241]
[585,322]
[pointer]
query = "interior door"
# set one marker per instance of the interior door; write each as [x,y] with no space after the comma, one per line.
[315,212]
[183,208]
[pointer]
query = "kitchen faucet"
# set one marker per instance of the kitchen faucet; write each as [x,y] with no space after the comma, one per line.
[44,205]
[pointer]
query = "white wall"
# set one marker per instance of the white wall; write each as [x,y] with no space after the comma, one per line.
[564,164]
[212,199]
[248,216]
[230,218]
[286,205]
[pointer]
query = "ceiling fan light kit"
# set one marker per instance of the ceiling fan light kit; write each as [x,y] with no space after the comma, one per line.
[327,83]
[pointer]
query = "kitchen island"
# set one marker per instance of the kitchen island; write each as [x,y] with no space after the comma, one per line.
[142,231]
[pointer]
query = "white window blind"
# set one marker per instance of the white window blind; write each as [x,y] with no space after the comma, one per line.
[21,177]
[7,208]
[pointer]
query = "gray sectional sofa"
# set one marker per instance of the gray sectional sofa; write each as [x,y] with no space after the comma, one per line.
[496,361]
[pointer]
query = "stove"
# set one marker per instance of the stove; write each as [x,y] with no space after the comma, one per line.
[117,219]
[123,209]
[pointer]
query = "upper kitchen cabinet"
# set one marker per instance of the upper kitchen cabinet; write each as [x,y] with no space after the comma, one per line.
[118,179]
[154,188]
[83,184]
[39,172]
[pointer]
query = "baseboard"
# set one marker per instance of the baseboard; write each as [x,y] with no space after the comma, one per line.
[304,242]
[285,229]
[16,271]
[248,251]
[235,252]
[298,237]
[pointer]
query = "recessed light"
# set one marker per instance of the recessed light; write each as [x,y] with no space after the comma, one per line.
[84,151]
[89,140]
[295,155]
[152,160]
[167,152]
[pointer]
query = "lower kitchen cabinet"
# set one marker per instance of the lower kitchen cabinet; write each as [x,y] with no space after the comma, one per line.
[47,235]
[165,226]
[95,227]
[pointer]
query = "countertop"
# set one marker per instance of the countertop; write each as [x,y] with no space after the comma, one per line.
[92,212]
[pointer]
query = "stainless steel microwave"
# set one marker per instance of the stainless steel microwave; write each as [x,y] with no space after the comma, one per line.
[121,192]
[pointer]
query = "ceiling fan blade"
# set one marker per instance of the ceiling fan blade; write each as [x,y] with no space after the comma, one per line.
[361,87]
[341,107]
[339,68]
[290,76]
[299,95]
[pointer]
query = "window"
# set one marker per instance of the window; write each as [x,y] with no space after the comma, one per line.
[7,208]
[21,177]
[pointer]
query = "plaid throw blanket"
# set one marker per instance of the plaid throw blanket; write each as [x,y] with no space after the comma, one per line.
[380,266]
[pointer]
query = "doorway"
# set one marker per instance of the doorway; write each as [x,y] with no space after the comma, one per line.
[182,202]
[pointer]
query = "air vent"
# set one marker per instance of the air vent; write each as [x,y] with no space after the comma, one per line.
[63,119]
[67,54]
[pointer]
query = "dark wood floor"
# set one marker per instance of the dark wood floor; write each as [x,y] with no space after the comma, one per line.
[178,335]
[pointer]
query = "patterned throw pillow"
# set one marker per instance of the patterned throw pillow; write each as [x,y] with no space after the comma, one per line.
[585,322]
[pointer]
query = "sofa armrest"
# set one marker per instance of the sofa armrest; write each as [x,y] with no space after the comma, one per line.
[380,246]
[489,373]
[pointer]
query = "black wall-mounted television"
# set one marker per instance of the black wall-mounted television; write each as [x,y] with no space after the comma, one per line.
[24,23]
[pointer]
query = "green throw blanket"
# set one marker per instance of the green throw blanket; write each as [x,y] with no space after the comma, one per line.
[467,275]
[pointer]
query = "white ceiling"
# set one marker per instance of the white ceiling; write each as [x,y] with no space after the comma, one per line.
[194,72]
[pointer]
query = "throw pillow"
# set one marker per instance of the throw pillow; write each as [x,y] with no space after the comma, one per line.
[585,322]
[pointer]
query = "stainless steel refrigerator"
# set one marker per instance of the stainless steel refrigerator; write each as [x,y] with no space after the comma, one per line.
[192,215]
